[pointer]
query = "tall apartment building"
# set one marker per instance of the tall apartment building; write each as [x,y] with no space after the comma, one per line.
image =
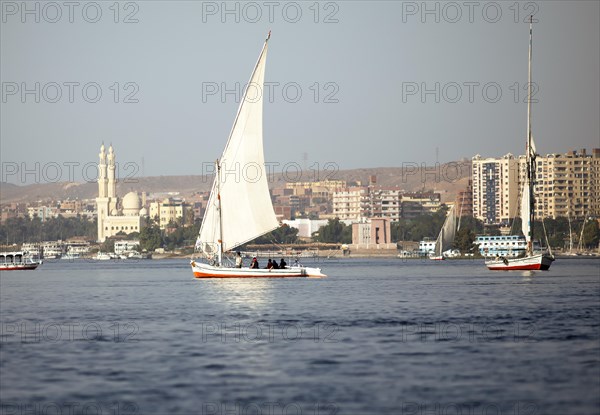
[390,204]
[357,203]
[319,188]
[495,183]
[419,203]
[351,203]
[568,185]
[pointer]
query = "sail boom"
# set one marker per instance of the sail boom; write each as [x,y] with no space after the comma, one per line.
[250,239]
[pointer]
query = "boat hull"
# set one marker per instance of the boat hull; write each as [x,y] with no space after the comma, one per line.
[202,270]
[538,262]
[18,267]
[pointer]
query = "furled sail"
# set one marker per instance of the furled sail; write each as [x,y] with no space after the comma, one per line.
[526,189]
[447,233]
[525,208]
[530,170]
[240,189]
[528,183]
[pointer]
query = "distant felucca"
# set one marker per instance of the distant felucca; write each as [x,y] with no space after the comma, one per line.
[446,235]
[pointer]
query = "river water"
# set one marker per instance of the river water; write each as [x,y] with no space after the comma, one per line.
[385,336]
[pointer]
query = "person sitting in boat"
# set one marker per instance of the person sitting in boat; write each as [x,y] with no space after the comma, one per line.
[238,260]
[254,263]
[269,264]
[275,264]
[282,264]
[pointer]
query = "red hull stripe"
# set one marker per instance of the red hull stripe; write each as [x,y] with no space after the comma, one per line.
[29,267]
[532,267]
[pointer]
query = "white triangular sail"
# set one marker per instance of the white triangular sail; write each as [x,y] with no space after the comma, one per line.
[447,233]
[246,210]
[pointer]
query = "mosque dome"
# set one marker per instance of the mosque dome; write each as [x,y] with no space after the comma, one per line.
[131,204]
[143,212]
[114,212]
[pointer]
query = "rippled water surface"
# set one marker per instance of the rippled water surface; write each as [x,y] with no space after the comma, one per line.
[376,337]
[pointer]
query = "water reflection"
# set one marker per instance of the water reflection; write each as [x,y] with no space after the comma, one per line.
[528,275]
[253,292]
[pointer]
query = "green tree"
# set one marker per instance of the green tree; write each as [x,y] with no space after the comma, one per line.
[416,229]
[108,245]
[591,234]
[471,223]
[464,240]
[150,237]
[18,230]
[334,232]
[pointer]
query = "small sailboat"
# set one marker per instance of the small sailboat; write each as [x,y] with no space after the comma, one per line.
[570,253]
[533,260]
[580,242]
[446,236]
[239,208]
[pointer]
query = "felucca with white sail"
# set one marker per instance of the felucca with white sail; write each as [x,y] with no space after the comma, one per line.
[446,235]
[533,260]
[239,207]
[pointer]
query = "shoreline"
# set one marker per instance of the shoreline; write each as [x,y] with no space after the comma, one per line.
[381,253]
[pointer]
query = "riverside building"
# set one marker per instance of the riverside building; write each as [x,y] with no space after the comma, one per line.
[115,214]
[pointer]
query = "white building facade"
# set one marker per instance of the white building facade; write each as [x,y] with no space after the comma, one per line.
[306,227]
[495,189]
[115,215]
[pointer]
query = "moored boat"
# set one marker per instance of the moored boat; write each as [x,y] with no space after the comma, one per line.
[17,261]
[437,257]
[102,256]
[536,262]
[532,260]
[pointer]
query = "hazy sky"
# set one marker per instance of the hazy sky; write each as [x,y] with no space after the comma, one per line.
[360,67]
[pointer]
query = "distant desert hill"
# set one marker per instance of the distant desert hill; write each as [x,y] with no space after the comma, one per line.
[447,179]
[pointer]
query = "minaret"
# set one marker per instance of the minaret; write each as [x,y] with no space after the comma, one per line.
[102,201]
[102,180]
[113,201]
[112,184]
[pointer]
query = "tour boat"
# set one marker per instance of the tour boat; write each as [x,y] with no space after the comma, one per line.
[532,260]
[17,261]
[239,208]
